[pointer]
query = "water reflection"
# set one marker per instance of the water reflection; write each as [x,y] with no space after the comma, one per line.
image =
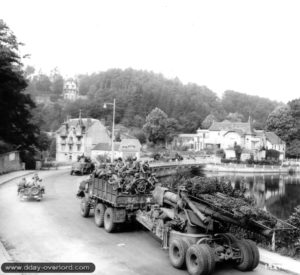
[278,194]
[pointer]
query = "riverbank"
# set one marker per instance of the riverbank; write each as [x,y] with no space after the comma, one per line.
[245,168]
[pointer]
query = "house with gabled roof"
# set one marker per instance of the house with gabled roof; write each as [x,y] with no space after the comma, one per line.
[226,134]
[77,137]
[128,147]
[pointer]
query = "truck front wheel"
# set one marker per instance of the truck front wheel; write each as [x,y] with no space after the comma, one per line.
[109,223]
[84,207]
[99,214]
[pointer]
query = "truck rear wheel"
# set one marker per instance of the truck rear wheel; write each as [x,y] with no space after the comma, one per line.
[246,261]
[255,254]
[177,252]
[84,207]
[197,260]
[109,224]
[210,256]
[99,214]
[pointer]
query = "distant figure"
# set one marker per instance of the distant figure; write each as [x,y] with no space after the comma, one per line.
[36,180]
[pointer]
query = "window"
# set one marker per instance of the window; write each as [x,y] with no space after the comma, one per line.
[70,147]
[78,147]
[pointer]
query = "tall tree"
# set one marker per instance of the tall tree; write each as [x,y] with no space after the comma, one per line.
[208,121]
[295,112]
[282,123]
[156,126]
[15,106]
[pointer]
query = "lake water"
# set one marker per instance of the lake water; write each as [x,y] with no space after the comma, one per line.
[278,194]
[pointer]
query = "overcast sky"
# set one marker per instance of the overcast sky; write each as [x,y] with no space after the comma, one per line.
[245,46]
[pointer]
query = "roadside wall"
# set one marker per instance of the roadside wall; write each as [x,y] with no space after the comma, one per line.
[10,162]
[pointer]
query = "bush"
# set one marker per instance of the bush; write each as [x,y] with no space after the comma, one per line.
[272,154]
[220,153]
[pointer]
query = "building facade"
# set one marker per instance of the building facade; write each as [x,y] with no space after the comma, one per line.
[225,135]
[71,90]
[77,137]
[128,147]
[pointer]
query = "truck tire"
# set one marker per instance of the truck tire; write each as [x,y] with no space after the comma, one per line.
[197,260]
[177,252]
[99,214]
[84,207]
[246,261]
[233,239]
[210,257]
[109,224]
[255,253]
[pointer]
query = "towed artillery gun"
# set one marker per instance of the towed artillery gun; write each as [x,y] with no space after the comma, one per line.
[192,230]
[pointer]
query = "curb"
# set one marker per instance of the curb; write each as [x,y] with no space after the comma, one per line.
[5,253]
[277,268]
[24,175]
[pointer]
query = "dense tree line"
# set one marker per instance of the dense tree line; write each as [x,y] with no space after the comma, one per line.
[137,93]
[18,127]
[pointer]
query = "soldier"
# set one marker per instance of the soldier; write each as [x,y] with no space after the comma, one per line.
[36,180]
[120,165]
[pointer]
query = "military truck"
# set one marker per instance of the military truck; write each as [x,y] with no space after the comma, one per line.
[112,204]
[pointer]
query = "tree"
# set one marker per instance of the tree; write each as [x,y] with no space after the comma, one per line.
[238,152]
[295,112]
[140,135]
[293,149]
[156,126]
[15,106]
[257,107]
[208,121]
[282,123]
[235,117]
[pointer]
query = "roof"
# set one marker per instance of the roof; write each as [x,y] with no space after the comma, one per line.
[240,127]
[237,131]
[74,122]
[273,138]
[130,144]
[187,135]
[106,147]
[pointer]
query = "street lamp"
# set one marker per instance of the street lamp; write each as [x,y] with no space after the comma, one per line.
[113,128]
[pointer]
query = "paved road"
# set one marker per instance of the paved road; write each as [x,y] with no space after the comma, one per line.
[53,230]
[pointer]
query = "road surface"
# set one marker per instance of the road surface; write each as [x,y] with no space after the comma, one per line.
[54,231]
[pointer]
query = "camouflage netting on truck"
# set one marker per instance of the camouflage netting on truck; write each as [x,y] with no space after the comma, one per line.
[219,193]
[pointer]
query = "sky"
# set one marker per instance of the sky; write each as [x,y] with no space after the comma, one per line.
[246,46]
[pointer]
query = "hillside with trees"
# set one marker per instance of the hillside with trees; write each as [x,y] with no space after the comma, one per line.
[137,93]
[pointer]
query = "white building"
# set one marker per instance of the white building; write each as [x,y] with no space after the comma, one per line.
[77,137]
[225,135]
[71,90]
[130,147]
